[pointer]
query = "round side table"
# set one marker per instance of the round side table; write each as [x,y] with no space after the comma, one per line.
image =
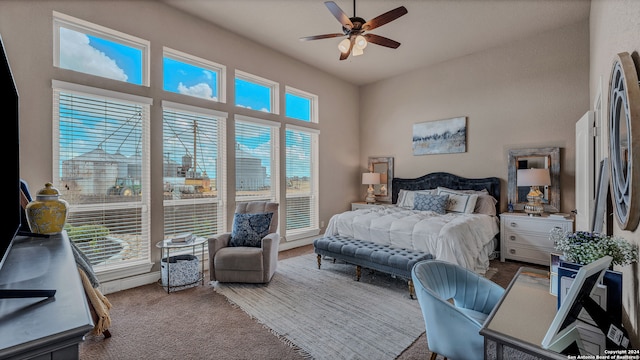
[168,245]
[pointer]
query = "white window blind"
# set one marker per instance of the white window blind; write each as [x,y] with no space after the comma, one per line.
[302,182]
[193,171]
[256,159]
[101,167]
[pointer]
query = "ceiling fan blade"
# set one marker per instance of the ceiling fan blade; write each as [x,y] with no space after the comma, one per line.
[317,37]
[385,18]
[345,55]
[339,14]
[381,40]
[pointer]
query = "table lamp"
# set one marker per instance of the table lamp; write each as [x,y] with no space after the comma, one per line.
[370,179]
[534,178]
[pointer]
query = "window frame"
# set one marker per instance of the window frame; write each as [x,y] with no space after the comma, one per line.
[221,70]
[221,170]
[313,100]
[272,85]
[85,27]
[275,157]
[129,268]
[314,228]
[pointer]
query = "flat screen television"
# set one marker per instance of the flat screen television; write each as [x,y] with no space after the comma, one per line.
[10,179]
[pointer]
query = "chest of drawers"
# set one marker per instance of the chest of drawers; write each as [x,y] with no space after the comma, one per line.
[526,238]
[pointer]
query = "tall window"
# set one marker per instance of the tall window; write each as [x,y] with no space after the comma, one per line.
[301,105]
[256,151]
[188,75]
[302,182]
[101,167]
[256,93]
[92,49]
[193,171]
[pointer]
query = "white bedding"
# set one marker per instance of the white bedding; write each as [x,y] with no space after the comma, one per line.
[463,239]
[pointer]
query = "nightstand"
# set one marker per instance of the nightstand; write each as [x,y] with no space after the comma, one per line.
[364,205]
[526,238]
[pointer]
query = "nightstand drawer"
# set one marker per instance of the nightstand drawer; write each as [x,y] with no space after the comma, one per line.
[541,226]
[534,255]
[530,238]
[364,205]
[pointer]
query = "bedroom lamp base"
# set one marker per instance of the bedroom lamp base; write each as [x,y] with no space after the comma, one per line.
[534,206]
[371,196]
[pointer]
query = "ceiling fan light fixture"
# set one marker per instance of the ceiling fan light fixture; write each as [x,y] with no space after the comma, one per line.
[361,42]
[357,51]
[344,45]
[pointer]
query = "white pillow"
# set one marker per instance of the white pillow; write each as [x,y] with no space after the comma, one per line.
[485,204]
[459,201]
[406,197]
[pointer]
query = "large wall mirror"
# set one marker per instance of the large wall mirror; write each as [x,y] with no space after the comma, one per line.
[624,117]
[536,158]
[384,166]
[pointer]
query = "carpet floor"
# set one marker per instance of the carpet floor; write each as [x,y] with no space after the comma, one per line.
[200,323]
[330,316]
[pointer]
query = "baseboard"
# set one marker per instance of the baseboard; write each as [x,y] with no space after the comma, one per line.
[288,245]
[113,286]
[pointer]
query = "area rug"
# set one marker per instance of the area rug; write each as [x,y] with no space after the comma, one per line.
[327,314]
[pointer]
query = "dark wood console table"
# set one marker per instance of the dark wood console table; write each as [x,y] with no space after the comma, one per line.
[41,328]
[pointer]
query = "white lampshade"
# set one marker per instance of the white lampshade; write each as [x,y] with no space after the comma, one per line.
[370,178]
[533,177]
[344,45]
[361,42]
[356,51]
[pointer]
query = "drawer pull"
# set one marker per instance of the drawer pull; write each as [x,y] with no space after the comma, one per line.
[512,251]
[513,224]
[512,237]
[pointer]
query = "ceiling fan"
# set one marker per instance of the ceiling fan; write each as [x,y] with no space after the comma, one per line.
[355,29]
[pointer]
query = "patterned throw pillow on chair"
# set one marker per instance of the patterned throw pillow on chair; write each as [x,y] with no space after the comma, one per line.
[249,229]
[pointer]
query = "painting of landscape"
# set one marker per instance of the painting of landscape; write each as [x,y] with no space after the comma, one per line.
[440,136]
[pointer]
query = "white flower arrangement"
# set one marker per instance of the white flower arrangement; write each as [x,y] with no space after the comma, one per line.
[584,247]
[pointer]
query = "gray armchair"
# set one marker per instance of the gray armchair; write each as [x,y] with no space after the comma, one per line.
[246,264]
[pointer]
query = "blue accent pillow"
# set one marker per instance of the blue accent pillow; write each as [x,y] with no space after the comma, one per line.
[249,229]
[429,202]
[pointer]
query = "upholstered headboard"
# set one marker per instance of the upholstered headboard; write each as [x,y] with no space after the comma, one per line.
[451,181]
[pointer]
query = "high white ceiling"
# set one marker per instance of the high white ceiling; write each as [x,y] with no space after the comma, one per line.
[433,31]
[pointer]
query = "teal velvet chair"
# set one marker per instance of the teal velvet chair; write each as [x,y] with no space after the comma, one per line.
[453,327]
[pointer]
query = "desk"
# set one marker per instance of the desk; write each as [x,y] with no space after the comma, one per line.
[37,328]
[523,316]
[167,245]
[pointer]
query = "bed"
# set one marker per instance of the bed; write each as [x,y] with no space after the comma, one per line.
[465,233]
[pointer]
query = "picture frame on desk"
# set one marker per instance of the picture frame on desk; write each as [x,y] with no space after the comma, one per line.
[611,281]
[566,319]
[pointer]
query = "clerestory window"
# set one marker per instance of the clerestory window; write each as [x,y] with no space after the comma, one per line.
[92,49]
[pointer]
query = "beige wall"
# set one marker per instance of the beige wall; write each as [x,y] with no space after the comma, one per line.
[26,28]
[615,28]
[526,94]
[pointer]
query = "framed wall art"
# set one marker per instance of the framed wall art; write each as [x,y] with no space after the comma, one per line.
[440,136]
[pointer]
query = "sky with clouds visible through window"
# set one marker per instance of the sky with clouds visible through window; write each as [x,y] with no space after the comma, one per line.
[101,57]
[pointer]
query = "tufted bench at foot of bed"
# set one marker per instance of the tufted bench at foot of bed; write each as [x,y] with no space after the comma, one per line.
[367,254]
